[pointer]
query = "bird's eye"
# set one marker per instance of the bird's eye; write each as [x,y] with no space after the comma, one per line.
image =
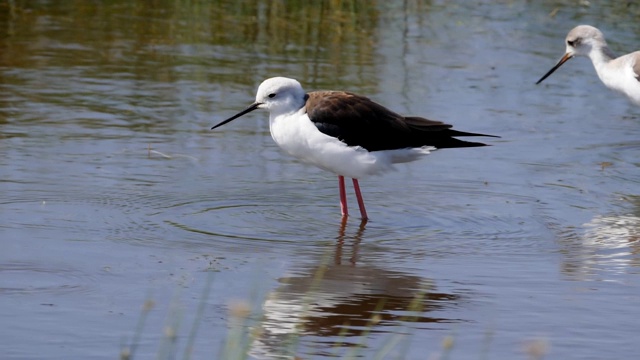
[272,95]
[573,42]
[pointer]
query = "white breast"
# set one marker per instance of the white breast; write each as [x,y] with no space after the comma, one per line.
[618,75]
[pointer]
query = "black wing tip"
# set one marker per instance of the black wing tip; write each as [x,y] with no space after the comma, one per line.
[470,144]
[485,135]
[456,133]
[453,142]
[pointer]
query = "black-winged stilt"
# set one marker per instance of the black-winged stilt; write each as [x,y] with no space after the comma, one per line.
[621,74]
[347,134]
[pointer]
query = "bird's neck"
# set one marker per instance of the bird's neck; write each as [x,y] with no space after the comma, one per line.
[276,116]
[601,56]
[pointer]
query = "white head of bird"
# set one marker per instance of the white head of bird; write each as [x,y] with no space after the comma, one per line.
[280,95]
[583,40]
[586,40]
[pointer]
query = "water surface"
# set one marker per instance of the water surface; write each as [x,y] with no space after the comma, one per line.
[115,191]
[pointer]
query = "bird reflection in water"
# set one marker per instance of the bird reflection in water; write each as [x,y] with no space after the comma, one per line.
[341,300]
[604,247]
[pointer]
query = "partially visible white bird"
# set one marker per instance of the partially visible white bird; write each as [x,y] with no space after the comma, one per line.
[621,74]
[345,133]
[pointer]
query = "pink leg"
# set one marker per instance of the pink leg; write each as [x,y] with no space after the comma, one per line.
[363,211]
[343,197]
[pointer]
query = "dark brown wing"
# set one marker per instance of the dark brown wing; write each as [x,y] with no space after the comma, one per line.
[358,121]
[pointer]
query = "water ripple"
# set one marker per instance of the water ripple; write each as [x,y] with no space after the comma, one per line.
[24,278]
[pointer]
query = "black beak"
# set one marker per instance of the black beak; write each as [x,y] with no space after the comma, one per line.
[564,59]
[252,107]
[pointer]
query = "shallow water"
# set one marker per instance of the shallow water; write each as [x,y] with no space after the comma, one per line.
[115,191]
